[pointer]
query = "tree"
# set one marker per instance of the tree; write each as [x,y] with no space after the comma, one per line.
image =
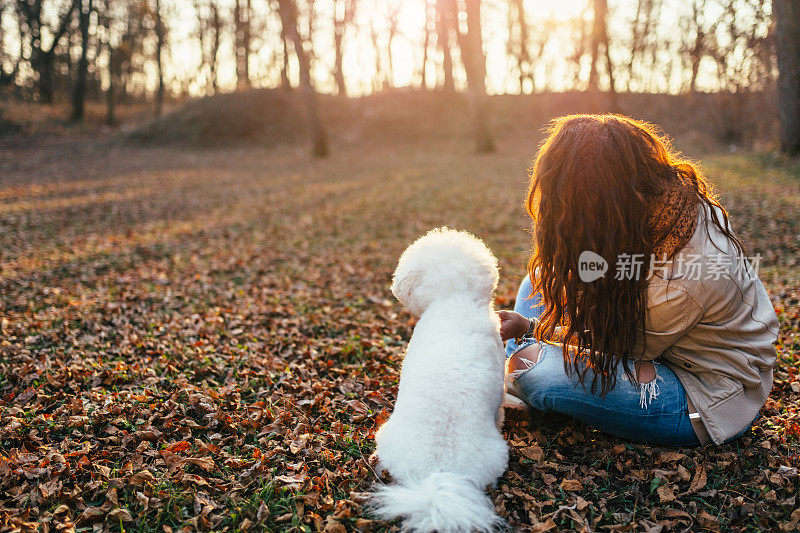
[319,139]
[104,16]
[343,14]
[160,30]
[443,27]
[698,47]
[209,32]
[79,91]
[378,77]
[285,83]
[600,37]
[521,51]
[242,40]
[423,73]
[43,58]
[393,20]
[787,18]
[471,44]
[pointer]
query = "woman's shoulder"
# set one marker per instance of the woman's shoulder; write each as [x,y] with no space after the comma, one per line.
[710,263]
[709,253]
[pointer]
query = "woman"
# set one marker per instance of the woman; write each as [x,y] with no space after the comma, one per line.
[671,344]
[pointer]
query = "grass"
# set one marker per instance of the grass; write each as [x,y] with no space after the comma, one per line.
[237,300]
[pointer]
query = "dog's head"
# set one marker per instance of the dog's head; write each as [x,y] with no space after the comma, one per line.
[443,263]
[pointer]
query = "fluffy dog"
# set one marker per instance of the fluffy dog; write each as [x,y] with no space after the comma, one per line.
[441,443]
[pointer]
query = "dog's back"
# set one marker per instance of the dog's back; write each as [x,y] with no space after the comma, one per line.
[441,443]
[451,387]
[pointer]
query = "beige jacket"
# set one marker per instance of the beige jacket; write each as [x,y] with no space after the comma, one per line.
[711,321]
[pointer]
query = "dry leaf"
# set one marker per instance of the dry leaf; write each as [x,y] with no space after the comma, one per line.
[670,457]
[665,494]
[571,485]
[144,476]
[332,526]
[699,480]
[206,463]
[542,527]
[120,514]
[91,514]
[533,452]
[291,480]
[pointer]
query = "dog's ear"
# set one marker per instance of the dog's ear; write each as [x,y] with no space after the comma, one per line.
[403,285]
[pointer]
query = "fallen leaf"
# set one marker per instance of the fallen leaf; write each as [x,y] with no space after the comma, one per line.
[571,485]
[699,480]
[542,527]
[332,526]
[670,457]
[533,452]
[120,514]
[91,514]
[665,494]
[291,480]
[206,463]
[144,476]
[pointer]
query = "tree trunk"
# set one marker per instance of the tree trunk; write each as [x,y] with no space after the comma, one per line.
[598,31]
[42,60]
[423,84]
[159,59]
[215,43]
[377,81]
[600,37]
[111,117]
[341,16]
[696,52]
[393,21]
[787,17]
[443,41]
[612,89]
[288,13]
[79,91]
[636,39]
[285,83]
[471,45]
[523,55]
[241,16]
[44,65]
[247,43]
[105,21]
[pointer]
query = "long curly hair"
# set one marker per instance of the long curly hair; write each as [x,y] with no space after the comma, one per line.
[592,187]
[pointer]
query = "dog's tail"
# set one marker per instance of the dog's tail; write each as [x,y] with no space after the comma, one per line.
[443,502]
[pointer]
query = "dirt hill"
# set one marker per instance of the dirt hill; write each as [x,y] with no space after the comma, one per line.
[273,117]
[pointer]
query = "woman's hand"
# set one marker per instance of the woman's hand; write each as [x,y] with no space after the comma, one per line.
[512,324]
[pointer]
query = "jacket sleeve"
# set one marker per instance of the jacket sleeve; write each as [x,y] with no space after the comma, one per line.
[670,313]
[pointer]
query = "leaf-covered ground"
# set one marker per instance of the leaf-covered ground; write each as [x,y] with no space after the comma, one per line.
[206,340]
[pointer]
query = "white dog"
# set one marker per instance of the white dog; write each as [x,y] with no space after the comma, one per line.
[441,443]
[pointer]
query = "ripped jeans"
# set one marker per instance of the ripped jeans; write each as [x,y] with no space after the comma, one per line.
[655,412]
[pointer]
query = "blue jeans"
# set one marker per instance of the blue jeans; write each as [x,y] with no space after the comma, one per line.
[656,413]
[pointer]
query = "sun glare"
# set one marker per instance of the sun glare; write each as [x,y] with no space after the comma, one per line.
[559,10]
[407,19]
[387,38]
